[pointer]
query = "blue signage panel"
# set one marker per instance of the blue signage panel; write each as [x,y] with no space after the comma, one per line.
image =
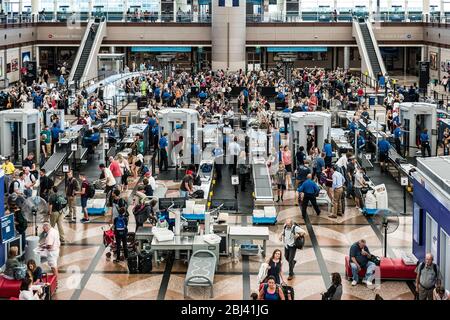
[297,49]
[160,49]
[7,225]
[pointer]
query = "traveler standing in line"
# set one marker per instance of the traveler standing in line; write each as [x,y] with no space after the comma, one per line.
[338,191]
[280,178]
[84,197]
[328,150]
[56,213]
[114,166]
[427,277]
[71,192]
[310,191]
[286,157]
[291,232]
[234,149]
[45,184]
[121,233]
[163,153]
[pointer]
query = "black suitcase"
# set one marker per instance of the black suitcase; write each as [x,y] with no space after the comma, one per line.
[288,292]
[133,263]
[145,262]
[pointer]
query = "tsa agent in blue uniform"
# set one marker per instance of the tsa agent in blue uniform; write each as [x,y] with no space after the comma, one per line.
[425,142]
[397,135]
[383,153]
[310,190]
[163,155]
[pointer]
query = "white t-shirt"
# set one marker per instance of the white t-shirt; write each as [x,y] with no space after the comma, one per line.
[110,180]
[234,148]
[52,240]
[152,182]
[28,295]
[289,235]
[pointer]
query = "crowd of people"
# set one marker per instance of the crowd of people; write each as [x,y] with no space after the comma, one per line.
[306,170]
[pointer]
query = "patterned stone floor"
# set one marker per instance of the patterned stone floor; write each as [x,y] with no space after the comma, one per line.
[87,274]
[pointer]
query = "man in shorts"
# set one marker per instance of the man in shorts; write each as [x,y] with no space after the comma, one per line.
[52,244]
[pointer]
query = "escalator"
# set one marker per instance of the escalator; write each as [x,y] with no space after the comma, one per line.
[85,64]
[372,61]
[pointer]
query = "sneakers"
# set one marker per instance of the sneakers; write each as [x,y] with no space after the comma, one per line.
[354,283]
[332,216]
[367,282]
[73,220]
[290,278]
[68,217]
[84,220]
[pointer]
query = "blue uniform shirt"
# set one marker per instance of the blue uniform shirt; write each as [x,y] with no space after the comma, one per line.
[383,146]
[163,142]
[397,132]
[309,187]
[328,150]
[151,122]
[424,137]
[353,126]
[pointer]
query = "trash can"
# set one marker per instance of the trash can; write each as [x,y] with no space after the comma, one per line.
[371,100]
[380,99]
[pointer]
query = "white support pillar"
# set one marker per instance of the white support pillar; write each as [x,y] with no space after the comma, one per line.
[300,10]
[125,9]
[20,6]
[426,9]
[406,10]
[195,10]
[266,10]
[370,10]
[55,10]
[346,57]
[442,13]
[35,9]
[90,8]
[335,5]
[175,10]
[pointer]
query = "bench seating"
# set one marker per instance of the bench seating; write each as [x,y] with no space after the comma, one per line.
[11,288]
[390,269]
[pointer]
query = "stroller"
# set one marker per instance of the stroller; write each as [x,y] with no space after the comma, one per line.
[109,240]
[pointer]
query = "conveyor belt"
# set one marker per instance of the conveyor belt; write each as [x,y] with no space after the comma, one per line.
[54,162]
[262,182]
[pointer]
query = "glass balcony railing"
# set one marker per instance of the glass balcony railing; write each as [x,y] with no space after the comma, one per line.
[12,19]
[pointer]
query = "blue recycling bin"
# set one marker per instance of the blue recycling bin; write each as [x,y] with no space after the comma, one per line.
[371,100]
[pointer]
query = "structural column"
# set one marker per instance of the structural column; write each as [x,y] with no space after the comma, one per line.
[35,9]
[265,10]
[228,35]
[426,9]
[55,10]
[195,10]
[346,57]
[300,10]
[125,10]
[90,8]
[424,53]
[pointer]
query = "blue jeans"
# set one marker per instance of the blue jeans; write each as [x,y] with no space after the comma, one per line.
[369,271]
[28,192]
[184,194]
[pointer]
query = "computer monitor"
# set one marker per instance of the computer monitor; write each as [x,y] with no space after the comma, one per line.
[165,203]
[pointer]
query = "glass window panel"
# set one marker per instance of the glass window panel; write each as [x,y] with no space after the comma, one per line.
[47,5]
[149,5]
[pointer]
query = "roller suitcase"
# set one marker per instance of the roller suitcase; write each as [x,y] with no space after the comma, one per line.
[145,262]
[288,292]
[133,263]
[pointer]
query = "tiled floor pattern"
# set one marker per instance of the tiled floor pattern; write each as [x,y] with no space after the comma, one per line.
[85,277]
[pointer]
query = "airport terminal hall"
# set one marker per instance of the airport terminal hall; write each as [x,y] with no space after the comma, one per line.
[214,152]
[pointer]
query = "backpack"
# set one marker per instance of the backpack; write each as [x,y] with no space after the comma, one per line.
[298,242]
[60,202]
[119,224]
[20,272]
[90,190]
[144,170]
[11,186]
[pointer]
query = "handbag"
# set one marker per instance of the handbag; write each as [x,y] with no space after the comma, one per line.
[375,260]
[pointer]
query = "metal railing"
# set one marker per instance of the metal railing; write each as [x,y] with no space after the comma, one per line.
[13,19]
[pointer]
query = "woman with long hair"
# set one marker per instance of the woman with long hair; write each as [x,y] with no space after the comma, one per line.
[275,268]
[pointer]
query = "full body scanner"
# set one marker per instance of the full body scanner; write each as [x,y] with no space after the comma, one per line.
[318,124]
[414,117]
[19,133]
[182,128]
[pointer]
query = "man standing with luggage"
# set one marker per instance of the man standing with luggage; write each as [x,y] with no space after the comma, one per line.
[121,232]
[310,190]
[291,232]
[427,277]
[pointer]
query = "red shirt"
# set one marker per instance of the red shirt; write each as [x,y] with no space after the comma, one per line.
[115,169]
